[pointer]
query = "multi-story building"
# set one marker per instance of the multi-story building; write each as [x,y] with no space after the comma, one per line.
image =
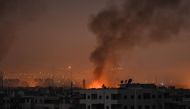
[127,96]
[135,96]
[35,98]
[98,98]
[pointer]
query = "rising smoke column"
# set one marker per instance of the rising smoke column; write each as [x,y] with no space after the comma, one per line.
[136,23]
[13,14]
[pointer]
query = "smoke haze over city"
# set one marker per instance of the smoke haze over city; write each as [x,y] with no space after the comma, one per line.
[145,40]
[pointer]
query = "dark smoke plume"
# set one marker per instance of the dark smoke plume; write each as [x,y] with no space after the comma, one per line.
[13,14]
[136,23]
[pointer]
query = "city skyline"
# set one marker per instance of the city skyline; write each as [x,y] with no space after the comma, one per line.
[55,34]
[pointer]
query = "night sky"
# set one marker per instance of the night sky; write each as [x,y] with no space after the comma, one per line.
[60,37]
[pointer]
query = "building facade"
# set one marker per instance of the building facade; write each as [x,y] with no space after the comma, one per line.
[135,96]
[127,96]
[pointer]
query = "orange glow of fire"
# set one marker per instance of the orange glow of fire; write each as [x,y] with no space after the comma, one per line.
[32,83]
[95,84]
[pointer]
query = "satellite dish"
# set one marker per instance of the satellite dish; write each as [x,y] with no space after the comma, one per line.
[126,81]
[130,81]
[121,81]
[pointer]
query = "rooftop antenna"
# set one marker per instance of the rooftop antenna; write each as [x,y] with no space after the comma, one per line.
[83,83]
[70,71]
[156,80]
[130,81]
[1,79]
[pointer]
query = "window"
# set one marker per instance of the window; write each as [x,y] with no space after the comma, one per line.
[153,96]
[160,106]
[83,96]
[27,100]
[139,107]
[139,97]
[36,101]
[159,96]
[88,97]
[107,107]
[147,107]
[132,107]
[125,107]
[94,96]
[167,95]
[89,107]
[41,101]
[115,96]
[125,97]
[116,106]
[107,97]
[100,97]
[132,97]
[146,95]
[153,106]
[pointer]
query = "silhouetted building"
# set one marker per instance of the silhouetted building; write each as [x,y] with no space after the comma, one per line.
[128,96]
[135,96]
[12,83]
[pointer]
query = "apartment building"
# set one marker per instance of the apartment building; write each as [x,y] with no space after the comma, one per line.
[135,96]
